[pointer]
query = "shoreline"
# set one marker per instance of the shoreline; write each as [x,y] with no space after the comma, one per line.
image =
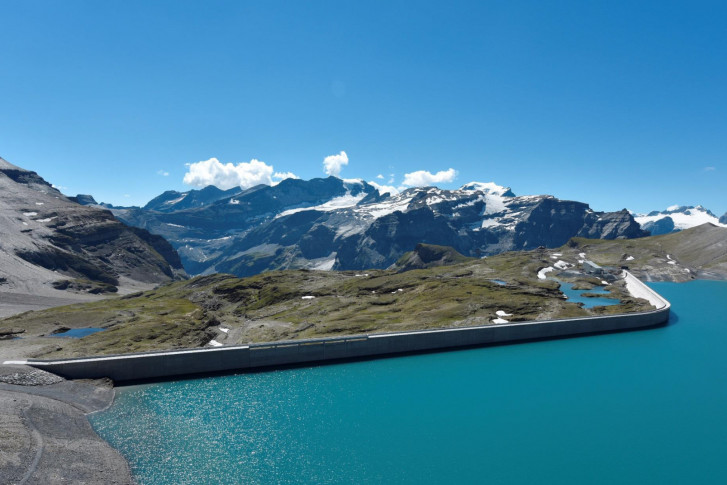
[46,435]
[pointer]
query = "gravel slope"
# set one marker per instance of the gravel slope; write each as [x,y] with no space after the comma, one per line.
[45,437]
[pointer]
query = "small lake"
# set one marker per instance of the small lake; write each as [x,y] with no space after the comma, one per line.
[641,407]
[576,296]
[77,332]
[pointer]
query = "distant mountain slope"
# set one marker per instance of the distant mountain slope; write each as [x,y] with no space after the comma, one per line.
[676,218]
[698,252]
[49,242]
[429,256]
[347,224]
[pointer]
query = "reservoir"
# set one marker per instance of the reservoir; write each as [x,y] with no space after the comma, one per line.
[635,407]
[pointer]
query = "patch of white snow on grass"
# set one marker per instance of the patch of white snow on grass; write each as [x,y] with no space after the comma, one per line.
[499,320]
[30,214]
[630,258]
[561,264]
[224,330]
[307,297]
[501,313]
[214,343]
[543,272]
[39,203]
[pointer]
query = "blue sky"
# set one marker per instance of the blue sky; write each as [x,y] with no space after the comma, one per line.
[618,104]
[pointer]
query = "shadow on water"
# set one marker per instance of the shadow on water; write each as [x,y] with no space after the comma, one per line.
[673,318]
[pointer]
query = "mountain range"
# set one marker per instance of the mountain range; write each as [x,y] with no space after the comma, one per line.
[331,223]
[323,223]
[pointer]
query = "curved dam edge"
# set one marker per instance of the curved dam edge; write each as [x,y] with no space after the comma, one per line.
[168,364]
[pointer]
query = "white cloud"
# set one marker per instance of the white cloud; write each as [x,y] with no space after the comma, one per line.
[379,176]
[422,178]
[225,176]
[333,164]
[163,173]
[285,175]
[280,176]
[710,169]
[385,188]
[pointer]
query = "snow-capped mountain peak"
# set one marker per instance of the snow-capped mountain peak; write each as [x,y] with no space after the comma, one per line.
[488,188]
[676,218]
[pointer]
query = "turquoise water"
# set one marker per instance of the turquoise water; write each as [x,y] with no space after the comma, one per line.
[77,332]
[575,296]
[643,407]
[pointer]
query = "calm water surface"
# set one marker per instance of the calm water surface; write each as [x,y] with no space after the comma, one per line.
[645,407]
[576,296]
[77,332]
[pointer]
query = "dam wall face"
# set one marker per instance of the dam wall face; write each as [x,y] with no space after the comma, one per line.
[168,364]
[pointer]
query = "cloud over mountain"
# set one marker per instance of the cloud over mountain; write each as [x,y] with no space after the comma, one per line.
[333,164]
[422,178]
[226,176]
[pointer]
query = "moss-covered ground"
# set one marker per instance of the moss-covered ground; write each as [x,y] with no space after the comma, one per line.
[281,305]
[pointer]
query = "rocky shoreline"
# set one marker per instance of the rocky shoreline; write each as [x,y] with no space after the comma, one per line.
[45,436]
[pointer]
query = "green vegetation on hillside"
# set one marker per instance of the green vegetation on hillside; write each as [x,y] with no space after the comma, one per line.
[294,304]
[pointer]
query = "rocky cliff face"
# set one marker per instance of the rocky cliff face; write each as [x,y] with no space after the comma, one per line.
[50,241]
[347,224]
[723,219]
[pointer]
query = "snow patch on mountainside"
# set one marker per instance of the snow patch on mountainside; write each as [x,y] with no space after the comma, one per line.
[399,202]
[487,188]
[343,202]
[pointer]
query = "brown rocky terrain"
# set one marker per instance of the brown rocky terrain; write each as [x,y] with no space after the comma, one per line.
[52,247]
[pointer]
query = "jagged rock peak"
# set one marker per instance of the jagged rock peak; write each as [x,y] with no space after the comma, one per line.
[84,199]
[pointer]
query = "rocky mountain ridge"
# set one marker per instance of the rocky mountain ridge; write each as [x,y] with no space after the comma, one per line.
[330,223]
[50,243]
